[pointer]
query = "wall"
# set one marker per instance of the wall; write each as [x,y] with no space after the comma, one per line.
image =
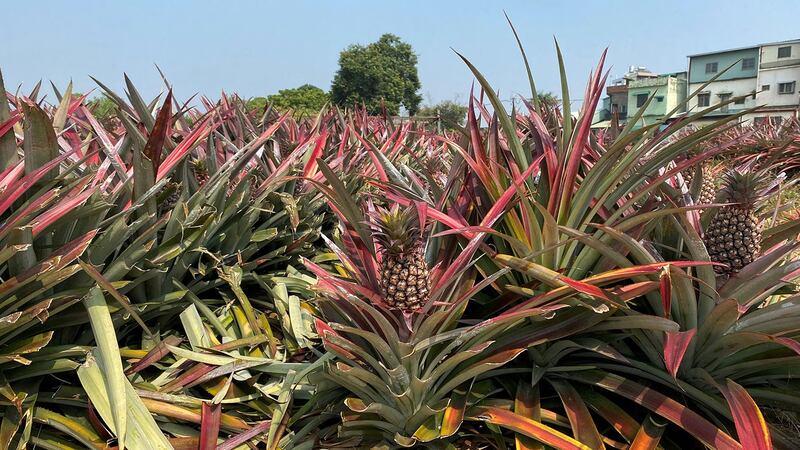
[769,55]
[774,76]
[736,87]
[697,65]
[672,89]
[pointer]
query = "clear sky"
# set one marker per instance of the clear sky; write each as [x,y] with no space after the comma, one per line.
[258,47]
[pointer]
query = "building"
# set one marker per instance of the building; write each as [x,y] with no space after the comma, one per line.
[778,80]
[616,101]
[737,77]
[764,75]
[669,96]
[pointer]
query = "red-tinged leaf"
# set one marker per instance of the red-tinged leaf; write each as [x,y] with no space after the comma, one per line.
[454,414]
[527,404]
[311,166]
[209,426]
[18,188]
[750,424]
[246,436]
[583,426]
[613,413]
[97,423]
[526,426]
[154,147]
[201,131]
[645,269]
[585,288]
[500,204]
[155,354]
[9,124]
[662,405]
[665,281]
[789,343]
[11,174]
[461,262]
[195,372]
[649,435]
[34,205]
[675,345]
[77,103]
[98,129]
[435,214]
[58,211]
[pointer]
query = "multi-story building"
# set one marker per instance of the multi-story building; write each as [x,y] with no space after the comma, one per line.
[779,80]
[669,95]
[728,81]
[616,102]
[737,77]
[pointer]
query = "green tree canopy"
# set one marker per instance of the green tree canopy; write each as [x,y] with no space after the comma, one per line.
[102,107]
[449,112]
[385,70]
[305,100]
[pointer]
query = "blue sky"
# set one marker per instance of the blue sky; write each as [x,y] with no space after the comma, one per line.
[258,47]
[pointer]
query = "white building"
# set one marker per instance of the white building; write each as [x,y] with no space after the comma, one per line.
[736,72]
[779,80]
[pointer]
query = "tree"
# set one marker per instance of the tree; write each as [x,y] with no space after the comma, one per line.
[383,71]
[257,104]
[549,100]
[305,100]
[449,112]
[102,107]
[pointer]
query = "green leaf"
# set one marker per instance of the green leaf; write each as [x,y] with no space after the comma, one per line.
[109,359]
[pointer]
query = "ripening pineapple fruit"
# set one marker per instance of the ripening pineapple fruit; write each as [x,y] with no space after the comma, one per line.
[403,271]
[708,188]
[168,196]
[733,236]
[200,171]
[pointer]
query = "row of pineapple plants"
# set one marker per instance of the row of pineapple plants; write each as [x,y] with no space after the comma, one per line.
[231,278]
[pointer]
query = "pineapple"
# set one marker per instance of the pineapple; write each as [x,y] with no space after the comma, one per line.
[733,236]
[708,189]
[404,272]
[200,171]
[168,196]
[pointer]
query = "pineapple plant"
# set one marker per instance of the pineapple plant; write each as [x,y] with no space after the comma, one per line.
[733,236]
[404,276]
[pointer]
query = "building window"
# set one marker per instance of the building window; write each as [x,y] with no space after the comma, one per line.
[660,98]
[641,99]
[786,88]
[703,99]
[724,98]
[748,64]
[764,87]
[711,67]
[784,52]
[739,101]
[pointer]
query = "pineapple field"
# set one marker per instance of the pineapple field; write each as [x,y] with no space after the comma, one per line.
[205,275]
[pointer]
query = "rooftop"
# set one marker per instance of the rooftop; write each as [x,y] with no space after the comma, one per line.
[745,48]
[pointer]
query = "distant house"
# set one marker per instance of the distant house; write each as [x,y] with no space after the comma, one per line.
[778,80]
[668,92]
[764,75]
[617,100]
[738,81]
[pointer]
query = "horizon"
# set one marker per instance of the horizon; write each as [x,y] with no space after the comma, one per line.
[245,50]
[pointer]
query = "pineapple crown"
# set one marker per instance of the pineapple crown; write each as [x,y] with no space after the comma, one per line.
[746,187]
[199,164]
[397,231]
